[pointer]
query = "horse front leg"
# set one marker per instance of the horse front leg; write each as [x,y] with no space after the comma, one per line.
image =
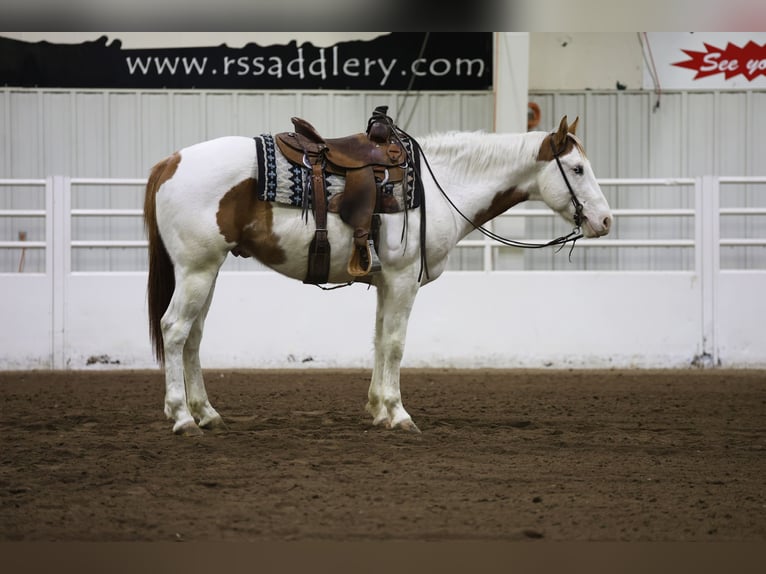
[384,396]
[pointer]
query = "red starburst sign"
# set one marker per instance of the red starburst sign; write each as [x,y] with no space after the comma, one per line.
[748,60]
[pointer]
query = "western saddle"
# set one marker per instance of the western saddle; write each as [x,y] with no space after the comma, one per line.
[367,161]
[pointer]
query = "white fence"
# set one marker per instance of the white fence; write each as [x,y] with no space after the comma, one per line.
[63,315]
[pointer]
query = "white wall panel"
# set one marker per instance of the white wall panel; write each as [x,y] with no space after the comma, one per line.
[597,125]
[317,110]
[92,142]
[632,128]
[280,107]
[220,114]
[756,124]
[26,134]
[123,133]
[155,130]
[700,128]
[5,139]
[477,333]
[188,115]
[58,141]
[741,310]
[447,108]
[124,139]
[731,134]
[26,311]
[251,109]
[347,111]
[477,112]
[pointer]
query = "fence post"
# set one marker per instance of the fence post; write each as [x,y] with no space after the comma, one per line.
[60,262]
[708,265]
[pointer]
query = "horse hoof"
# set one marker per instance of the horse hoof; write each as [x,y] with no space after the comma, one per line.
[409,426]
[216,425]
[188,429]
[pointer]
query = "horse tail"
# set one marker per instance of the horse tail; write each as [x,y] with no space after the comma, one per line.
[161,282]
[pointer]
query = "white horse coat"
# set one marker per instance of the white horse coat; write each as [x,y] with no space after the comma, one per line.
[200,205]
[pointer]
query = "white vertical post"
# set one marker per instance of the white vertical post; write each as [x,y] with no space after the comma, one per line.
[707,228]
[511,83]
[489,264]
[50,243]
[60,266]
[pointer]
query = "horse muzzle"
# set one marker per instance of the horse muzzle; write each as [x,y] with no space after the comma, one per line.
[597,226]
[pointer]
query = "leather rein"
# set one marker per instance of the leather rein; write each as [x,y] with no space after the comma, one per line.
[572,237]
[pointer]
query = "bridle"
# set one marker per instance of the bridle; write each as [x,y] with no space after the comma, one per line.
[578,207]
[572,236]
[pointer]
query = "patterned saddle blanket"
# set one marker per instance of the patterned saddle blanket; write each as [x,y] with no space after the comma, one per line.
[284,182]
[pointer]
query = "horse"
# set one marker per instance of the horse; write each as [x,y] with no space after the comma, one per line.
[200,205]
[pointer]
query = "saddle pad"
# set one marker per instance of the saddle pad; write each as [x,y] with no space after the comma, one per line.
[283,182]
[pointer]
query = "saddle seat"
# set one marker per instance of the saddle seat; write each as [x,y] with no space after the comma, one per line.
[341,154]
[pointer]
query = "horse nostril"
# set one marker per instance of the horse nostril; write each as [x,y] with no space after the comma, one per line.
[607,223]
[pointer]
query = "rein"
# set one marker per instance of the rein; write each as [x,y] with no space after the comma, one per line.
[573,236]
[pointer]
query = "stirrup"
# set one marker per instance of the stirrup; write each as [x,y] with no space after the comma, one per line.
[364,260]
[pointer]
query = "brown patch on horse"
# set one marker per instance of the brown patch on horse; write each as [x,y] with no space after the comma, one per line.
[501,203]
[161,280]
[249,222]
[561,141]
[159,174]
[169,166]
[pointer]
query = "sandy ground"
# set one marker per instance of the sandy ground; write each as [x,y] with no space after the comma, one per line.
[504,455]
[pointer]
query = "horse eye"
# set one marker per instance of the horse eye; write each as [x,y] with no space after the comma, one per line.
[578,169]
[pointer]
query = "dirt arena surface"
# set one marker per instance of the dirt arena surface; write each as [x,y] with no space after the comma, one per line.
[504,456]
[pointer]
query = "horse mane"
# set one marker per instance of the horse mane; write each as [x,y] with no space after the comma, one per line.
[477,152]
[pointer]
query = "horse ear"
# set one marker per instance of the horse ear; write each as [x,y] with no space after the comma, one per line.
[560,137]
[573,125]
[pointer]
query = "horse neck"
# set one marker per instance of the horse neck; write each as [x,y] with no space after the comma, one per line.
[484,174]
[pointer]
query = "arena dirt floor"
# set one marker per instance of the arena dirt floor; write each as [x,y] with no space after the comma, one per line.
[503,455]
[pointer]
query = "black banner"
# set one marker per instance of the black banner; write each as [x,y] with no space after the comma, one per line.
[395,61]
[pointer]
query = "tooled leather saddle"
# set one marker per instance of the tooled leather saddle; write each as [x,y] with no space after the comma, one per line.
[367,161]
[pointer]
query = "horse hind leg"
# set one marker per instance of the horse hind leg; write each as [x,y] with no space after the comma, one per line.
[190,298]
[196,394]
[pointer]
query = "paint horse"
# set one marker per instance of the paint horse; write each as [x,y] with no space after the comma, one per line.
[201,204]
